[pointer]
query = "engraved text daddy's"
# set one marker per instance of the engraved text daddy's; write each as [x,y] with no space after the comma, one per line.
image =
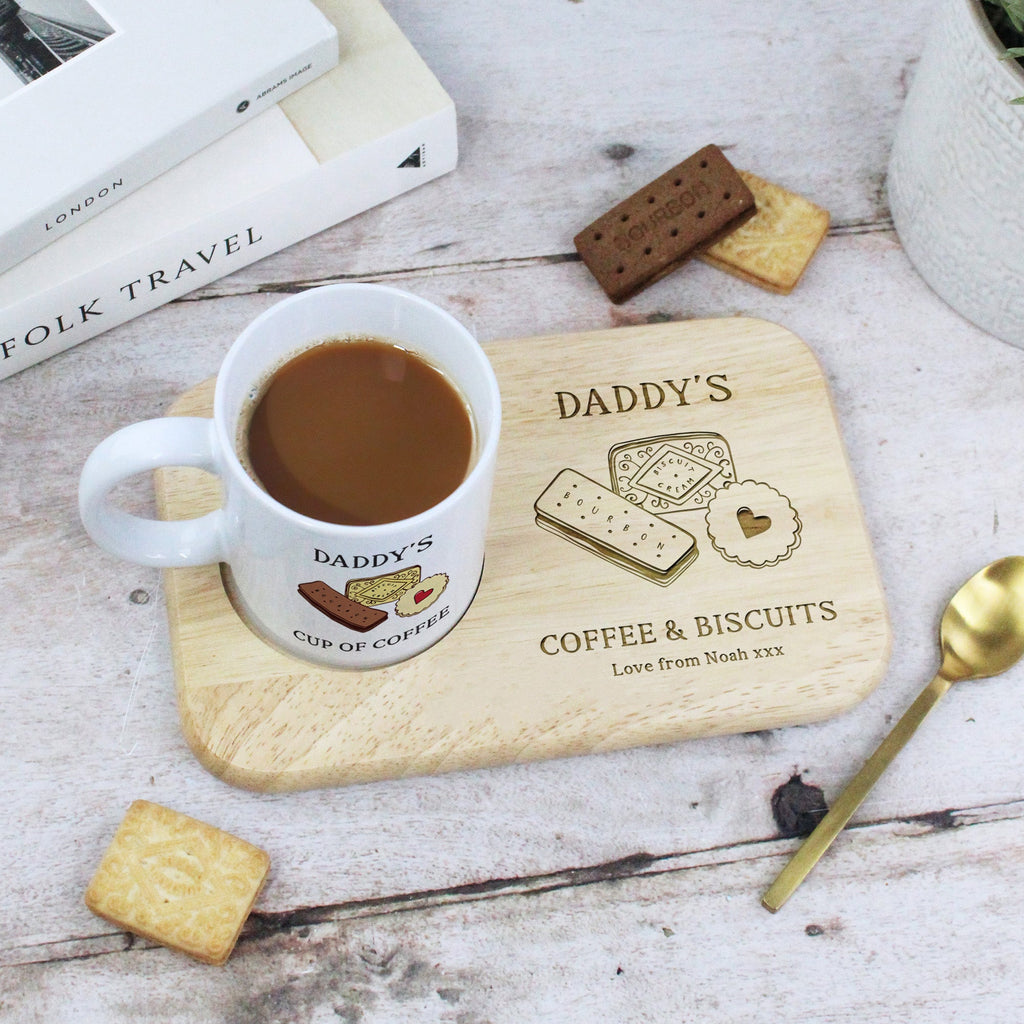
[643,396]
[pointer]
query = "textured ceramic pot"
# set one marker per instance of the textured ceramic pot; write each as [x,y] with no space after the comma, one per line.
[956,174]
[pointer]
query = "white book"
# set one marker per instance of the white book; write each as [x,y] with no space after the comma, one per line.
[375,126]
[98,97]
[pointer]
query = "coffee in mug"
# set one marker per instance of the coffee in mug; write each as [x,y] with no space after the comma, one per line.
[358,431]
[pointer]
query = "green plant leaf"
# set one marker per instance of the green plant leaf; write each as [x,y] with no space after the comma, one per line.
[1014,11]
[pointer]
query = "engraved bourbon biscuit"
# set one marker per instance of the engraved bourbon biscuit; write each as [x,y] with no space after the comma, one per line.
[773,248]
[657,229]
[384,589]
[341,609]
[591,516]
[178,881]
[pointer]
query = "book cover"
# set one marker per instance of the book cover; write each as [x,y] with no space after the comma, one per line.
[99,96]
[376,125]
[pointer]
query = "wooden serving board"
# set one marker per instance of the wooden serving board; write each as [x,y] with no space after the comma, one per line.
[717,436]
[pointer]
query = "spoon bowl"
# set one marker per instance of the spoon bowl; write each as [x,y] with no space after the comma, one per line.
[982,628]
[981,634]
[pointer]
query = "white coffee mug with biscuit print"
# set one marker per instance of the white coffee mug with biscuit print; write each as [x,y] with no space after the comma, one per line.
[352,597]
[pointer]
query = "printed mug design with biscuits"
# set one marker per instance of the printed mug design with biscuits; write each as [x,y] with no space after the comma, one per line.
[352,597]
[643,521]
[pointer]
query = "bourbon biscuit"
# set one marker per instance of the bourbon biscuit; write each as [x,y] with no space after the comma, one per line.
[178,881]
[655,230]
[341,609]
[594,518]
[773,248]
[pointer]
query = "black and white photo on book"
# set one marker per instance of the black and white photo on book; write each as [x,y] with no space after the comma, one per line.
[38,36]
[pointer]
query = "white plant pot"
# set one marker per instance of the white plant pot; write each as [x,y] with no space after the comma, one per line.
[956,173]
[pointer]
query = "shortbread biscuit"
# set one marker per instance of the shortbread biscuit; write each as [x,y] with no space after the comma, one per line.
[773,248]
[655,230]
[671,473]
[341,609]
[178,881]
[591,516]
[374,590]
[753,524]
[420,597]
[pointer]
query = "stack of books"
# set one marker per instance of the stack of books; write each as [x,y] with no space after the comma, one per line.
[352,120]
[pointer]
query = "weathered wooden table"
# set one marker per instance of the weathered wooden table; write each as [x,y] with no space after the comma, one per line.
[610,887]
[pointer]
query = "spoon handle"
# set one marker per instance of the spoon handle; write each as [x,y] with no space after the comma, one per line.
[851,798]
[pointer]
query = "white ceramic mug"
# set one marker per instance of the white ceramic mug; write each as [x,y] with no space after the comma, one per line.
[271,551]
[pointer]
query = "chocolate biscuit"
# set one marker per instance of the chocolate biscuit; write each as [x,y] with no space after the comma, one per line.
[341,609]
[658,228]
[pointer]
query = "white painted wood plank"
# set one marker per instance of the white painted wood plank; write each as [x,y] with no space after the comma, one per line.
[899,924]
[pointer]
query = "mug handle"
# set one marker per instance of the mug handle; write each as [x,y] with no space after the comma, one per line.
[151,444]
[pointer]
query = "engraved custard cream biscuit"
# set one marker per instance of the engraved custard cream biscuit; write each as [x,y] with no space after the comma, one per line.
[658,228]
[341,609]
[773,248]
[753,524]
[384,589]
[420,597]
[178,881]
[580,510]
[671,473]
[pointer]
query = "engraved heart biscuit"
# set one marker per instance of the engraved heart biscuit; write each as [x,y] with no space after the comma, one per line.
[752,524]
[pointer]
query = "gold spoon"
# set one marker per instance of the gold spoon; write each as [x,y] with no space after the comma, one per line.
[981,635]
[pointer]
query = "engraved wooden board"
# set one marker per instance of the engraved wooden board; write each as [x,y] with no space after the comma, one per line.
[718,438]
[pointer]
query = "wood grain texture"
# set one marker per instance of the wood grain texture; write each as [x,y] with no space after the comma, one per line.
[563,652]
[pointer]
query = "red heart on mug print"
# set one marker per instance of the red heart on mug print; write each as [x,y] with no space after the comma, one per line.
[422,595]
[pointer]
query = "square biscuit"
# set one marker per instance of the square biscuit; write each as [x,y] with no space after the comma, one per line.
[658,228]
[383,589]
[774,247]
[178,881]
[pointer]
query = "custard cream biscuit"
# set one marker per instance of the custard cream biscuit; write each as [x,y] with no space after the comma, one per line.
[178,881]
[597,519]
[374,590]
[671,473]
[773,248]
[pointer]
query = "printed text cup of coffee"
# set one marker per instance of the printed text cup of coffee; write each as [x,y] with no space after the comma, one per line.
[354,432]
